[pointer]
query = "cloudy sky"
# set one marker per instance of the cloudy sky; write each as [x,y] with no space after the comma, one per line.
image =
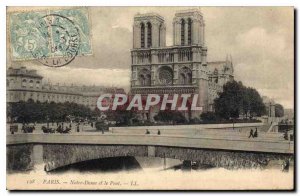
[259,39]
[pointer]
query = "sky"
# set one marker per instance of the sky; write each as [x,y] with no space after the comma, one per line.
[259,39]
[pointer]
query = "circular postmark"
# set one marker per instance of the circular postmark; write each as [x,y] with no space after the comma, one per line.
[58,41]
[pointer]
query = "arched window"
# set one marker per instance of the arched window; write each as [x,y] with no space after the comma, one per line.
[185,76]
[189,31]
[31,83]
[24,83]
[142,80]
[12,81]
[142,35]
[189,78]
[182,78]
[145,77]
[182,31]
[216,80]
[37,84]
[149,35]
[159,34]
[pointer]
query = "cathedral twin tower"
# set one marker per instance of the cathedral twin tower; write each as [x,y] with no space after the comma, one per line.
[178,69]
[149,30]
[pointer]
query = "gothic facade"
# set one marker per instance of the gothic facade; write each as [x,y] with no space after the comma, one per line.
[178,69]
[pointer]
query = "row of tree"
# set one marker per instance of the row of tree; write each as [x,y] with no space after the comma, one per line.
[26,112]
[234,101]
[237,100]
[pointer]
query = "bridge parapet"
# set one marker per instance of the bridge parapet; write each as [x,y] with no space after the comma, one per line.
[200,142]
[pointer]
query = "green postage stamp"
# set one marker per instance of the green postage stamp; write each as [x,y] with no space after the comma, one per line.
[53,37]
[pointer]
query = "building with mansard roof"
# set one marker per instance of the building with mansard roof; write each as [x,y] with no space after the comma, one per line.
[178,69]
[23,84]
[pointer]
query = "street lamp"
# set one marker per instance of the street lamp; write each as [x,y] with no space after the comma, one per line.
[47,118]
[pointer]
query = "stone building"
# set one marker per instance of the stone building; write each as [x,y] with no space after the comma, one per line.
[23,85]
[178,69]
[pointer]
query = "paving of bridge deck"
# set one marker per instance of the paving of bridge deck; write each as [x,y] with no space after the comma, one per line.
[199,141]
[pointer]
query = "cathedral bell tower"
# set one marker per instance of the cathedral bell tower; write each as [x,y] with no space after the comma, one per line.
[177,69]
[188,28]
[149,31]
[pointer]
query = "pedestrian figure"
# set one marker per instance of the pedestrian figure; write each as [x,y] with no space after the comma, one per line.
[56,123]
[70,125]
[255,133]
[77,127]
[158,132]
[92,125]
[12,130]
[147,131]
[286,165]
[285,136]
[102,131]
[251,134]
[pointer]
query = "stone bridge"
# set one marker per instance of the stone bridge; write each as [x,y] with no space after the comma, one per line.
[25,151]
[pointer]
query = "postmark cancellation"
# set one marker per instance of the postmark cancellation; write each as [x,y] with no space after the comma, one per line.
[53,37]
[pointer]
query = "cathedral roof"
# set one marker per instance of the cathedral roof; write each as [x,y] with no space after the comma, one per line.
[220,67]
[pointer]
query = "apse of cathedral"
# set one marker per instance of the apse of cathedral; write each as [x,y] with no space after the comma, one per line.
[178,69]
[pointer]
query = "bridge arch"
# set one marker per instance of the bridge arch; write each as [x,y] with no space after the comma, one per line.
[56,156]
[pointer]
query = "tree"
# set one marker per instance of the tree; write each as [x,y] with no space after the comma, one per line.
[237,99]
[170,116]
[208,117]
[256,105]
[279,110]
[39,112]
[230,101]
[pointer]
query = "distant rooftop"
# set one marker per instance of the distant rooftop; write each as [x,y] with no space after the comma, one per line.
[220,66]
[22,71]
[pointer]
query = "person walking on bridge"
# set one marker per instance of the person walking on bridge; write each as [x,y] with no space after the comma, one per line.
[255,133]
[251,134]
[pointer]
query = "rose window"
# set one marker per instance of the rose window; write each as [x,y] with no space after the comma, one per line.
[165,75]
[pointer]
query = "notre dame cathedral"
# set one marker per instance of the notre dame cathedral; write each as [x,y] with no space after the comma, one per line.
[178,69]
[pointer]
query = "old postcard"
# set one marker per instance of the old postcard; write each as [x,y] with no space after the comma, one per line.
[150,98]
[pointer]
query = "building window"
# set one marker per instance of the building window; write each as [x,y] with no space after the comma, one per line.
[24,83]
[216,80]
[159,34]
[31,83]
[149,35]
[7,83]
[189,31]
[142,35]
[37,84]
[185,76]
[145,77]
[165,75]
[12,81]
[182,31]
